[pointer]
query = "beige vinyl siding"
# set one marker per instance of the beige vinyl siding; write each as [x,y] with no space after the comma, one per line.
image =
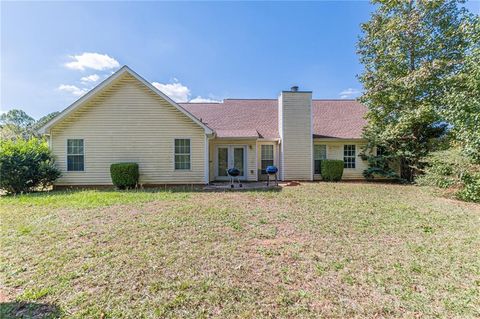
[296,133]
[276,156]
[335,151]
[251,156]
[127,122]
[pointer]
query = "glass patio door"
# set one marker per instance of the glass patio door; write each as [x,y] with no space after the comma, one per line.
[231,156]
[222,165]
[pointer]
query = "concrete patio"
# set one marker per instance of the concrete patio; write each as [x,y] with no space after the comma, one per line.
[226,186]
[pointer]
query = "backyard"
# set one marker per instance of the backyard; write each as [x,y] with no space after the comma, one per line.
[318,249]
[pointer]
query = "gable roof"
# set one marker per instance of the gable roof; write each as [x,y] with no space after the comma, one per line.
[343,119]
[246,118]
[125,69]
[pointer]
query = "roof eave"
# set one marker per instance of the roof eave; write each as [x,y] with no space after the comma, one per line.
[237,137]
[331,138]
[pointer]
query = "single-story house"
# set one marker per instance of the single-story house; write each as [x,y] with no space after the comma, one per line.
[127,119]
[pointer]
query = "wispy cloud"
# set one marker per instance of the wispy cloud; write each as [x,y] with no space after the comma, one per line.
[90,78]
[200,99]
[350,93]
[91,60]
[72,89]
[176,90]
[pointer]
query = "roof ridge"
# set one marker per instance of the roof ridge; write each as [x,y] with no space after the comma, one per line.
[334,99]
[231,98]
[270,99]
[200,102]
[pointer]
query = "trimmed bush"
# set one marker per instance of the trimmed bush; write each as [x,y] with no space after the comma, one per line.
[332,170]
[26,165]
[124,175]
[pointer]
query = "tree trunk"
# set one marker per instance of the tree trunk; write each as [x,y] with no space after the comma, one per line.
[406,171]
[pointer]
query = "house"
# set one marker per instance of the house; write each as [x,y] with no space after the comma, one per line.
[126,119]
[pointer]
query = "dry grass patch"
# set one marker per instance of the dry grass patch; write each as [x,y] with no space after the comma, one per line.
[333,250]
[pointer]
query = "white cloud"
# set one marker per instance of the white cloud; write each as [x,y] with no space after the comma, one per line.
[181,93]
[200,99]
[176,90]
[90,78]
[95,61]
[350,93]
[72,89]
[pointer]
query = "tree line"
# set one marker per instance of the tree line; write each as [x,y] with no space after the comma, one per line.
[421,84]
[16,124]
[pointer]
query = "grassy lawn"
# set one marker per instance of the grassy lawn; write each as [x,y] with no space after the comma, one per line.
[333,250]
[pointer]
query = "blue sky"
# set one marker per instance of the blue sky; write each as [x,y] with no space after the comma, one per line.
[51,53]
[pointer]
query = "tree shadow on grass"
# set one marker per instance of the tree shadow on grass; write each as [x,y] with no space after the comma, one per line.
[30,310]
[156,189]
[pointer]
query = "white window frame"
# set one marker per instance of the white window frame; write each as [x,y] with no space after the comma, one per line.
[175,153]
[67,154]
[314,159]
[354,156]
[261,155]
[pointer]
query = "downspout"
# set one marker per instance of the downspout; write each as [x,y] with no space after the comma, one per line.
[207,158]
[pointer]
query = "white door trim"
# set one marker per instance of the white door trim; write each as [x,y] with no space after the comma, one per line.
[230,148]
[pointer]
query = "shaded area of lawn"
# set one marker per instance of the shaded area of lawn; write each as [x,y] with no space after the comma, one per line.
[337,250]
[29,310]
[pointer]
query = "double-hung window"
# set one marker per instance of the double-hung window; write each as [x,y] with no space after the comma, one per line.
[319,154]
[182,153]
[266,156]
[75,155]
[349,156]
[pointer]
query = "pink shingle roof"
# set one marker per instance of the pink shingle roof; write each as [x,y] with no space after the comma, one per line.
[259,117]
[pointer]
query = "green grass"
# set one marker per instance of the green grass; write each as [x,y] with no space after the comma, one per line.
[89,199]
[332,250]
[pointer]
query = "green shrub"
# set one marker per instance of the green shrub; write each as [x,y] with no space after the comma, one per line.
[124,175]
[26,165]
[452,169]
[332,170]
[471,188]
[380,166]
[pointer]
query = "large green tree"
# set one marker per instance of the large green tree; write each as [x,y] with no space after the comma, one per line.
[410,50]
[45,119]
[462,102]
[16,124]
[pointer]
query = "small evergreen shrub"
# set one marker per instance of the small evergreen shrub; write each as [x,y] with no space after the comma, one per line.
[26,165]
[332,170]
[124,175]
[379,166]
